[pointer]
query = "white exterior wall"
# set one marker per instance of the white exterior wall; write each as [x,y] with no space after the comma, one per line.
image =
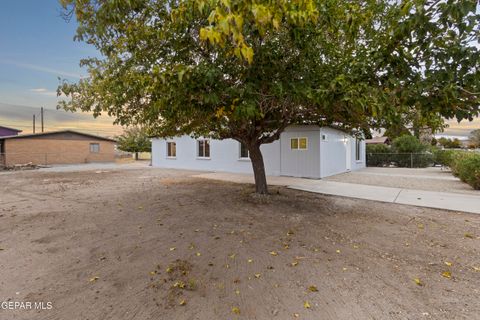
[321,159]
[224,156]
[334,151]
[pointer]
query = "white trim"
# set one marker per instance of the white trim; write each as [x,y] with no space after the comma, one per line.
[197,151]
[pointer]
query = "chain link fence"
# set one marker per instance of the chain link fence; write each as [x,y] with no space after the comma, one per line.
[401,160]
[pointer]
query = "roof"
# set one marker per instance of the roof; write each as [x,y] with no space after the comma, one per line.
[12,129]
[377,140]
[33,135]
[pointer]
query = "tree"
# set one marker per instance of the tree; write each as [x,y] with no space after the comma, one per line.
[246,70]
[475,138]
[408,144]
[134,140]
[450,143]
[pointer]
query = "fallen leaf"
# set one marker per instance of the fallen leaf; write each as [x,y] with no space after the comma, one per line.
[344,269]
[448,263]
[183,302]
[257,275]
[153,273]
[306,305]
[418,282]
[250,260]
[296,315]
[192,246]
[313,289]
[140,207]
[420,226]
[169,270]
[227,266]
[1,249]
[198,254]
[232,256]
[273,253]
[197,230]
[476,268]
[338,251]
[294,263]
[289,233]
[94,279]
[237,291]
[468,235]
[236,310]
[447,274]
[172,249]
[355,246]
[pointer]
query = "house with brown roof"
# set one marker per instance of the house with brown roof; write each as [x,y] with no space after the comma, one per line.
[57,147]
[378,140]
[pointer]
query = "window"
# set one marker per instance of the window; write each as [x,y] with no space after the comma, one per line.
[298,143]
[203,149]
[171,149]
[94,147]
[244,154]
[324,137]
[357,149]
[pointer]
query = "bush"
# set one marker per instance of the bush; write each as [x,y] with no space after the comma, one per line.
[408,144]
[444,157]
[466,166]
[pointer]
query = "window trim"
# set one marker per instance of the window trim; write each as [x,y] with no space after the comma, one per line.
[298,143]
[240,158]
[168,149]
[94,144]
[198,149]
[358,150]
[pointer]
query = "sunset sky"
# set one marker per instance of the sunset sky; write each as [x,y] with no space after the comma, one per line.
[37,47]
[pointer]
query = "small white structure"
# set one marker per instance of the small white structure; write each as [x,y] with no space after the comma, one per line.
[302,151]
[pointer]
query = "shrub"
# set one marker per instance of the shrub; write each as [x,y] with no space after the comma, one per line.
[467,167]
[444,157]
[408,144]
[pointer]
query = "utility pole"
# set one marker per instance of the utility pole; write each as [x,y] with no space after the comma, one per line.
[33,123]
[41,115]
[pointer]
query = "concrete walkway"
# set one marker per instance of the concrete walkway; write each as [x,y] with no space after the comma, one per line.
[421,198]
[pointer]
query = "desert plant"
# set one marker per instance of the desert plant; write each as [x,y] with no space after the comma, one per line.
[467,168]
[443,157]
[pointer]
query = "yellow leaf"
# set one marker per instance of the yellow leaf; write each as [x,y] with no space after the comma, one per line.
[236,310]
[237,291]
[198,254]
[313,289]
[420,226]
[169,270]
[448,263]
[273,253]
[172,249]
[418,282]
[232,256]
[94,279]
[289,233]
[227,266]
[140,207]
[476,268]
[257,275]
[296,315]
[250,260]
[468,235]
[294,263]
[447,274]
[355,246]
[338,251]
[152,273]
[306,305]
[183,302]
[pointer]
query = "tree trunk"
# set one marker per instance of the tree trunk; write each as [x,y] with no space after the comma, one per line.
[258,168]
[136,155]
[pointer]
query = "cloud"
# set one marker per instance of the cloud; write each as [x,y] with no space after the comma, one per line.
[44,91]
[41,69]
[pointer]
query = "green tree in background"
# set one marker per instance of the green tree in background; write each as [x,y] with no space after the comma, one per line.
[134,140]
[450,143]
[246,70]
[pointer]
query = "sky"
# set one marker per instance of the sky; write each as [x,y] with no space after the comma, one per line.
[37,47]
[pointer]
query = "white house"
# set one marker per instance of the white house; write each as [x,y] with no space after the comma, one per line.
[302,151]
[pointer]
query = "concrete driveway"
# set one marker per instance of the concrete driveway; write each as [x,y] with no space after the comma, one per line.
[468,201]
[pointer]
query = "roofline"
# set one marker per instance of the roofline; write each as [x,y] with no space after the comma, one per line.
[13,129]
[32,135]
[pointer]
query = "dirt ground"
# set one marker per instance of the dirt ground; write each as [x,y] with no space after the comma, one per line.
[429,179]
[158,244]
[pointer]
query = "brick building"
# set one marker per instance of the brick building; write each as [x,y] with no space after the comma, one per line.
[59,147]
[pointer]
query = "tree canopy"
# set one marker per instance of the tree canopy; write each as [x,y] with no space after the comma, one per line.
[247,69]
[134,140]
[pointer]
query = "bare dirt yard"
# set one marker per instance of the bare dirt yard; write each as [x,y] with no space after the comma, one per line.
[158,244]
